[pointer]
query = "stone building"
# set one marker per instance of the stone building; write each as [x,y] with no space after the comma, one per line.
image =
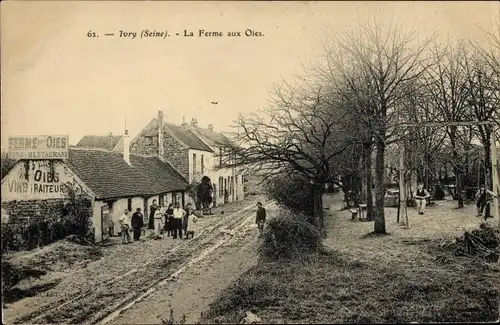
[194,152]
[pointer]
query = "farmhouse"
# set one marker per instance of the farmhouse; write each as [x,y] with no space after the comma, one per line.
[114,182]
[194,152]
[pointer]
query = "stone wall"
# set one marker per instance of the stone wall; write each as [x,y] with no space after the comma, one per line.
[21,211]
[174,153]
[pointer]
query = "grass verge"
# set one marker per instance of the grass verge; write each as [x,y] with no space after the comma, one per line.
[330,287]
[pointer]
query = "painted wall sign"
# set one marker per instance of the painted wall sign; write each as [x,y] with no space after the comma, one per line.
[38,147]
[38,180]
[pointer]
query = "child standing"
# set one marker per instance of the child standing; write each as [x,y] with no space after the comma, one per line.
[190,228]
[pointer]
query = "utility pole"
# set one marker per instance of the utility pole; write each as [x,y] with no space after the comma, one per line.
[402,186]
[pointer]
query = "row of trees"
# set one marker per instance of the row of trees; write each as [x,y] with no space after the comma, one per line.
[339,118]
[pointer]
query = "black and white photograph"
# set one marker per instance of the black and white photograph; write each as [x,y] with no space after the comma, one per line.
[250,162]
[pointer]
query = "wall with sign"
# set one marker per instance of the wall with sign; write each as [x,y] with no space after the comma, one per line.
[38,180]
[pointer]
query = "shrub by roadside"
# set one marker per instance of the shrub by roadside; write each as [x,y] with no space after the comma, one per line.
[292,192]
[289,236]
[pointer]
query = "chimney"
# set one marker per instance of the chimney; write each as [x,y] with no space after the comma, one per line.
[184,121]
[111,141]
[211,127]
[194,122]
[161,148]
[126,147]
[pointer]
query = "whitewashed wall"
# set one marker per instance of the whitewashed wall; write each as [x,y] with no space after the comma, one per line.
[41,183]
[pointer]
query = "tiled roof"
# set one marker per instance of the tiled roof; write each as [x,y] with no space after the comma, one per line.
[187,137]
[109,176]
[213,138]
[99,141]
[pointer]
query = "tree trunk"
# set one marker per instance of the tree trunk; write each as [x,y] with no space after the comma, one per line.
[368,180]
[317,217]
[487,161]
[379,226]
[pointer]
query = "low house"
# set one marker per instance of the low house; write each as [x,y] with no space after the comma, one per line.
[114,182]
[109,142]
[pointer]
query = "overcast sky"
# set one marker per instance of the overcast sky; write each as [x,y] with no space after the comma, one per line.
[56,80]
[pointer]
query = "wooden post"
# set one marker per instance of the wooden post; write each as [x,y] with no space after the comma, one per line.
[402,186]
[494,173]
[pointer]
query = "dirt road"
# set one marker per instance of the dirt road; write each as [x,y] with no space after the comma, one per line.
[195,288]
[91,293]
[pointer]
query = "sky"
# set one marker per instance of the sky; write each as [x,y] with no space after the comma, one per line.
[56,80]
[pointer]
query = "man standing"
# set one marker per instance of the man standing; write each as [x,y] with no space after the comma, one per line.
[261,217]
[483,197]
[125,225]
[178,216]
[421,196]
[152,210]
[137,224]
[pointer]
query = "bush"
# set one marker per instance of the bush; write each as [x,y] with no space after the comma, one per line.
[289,236]
[291,191]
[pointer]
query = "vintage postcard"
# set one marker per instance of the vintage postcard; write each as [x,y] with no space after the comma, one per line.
[242,162]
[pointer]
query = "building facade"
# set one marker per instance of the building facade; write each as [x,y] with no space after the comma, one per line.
[194,152]
[113,181]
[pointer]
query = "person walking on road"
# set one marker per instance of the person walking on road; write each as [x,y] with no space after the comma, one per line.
[421,196]
[178,216]
[483,197]
[152,210]
[137,223]
[125,227]
[261,217]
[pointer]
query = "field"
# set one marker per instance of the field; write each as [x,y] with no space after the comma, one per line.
[408,275]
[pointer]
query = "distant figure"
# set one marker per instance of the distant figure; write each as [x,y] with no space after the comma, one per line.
[125,227]
[421,196]
[178,216]
[152,210]
[169,220]
[137,224]
[191,225]
[158,221]
[261,217]
[483,197]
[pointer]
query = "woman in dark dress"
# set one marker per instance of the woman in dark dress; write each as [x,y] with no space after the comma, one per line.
[152,210]
[169,215]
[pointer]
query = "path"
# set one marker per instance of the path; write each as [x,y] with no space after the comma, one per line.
[194,289]
[89,293]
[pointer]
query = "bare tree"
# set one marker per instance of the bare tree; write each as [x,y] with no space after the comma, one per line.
[377,63]
[297,134]
[483,97]
[446,86]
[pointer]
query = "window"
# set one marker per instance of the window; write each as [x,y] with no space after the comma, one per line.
[129,204]
[202,164]
[221,186]
[161,200]
[194,163]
